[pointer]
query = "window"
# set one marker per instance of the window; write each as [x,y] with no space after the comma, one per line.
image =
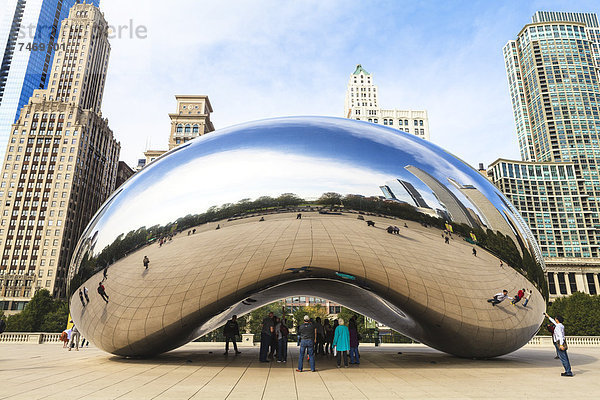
[179,128]
[195,129]
[572,283]
[562,286]
[591,283]
[188,129]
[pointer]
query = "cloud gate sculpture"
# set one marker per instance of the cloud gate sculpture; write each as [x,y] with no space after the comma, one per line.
[373,218]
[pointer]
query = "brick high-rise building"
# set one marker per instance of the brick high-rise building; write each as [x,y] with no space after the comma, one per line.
[60,164]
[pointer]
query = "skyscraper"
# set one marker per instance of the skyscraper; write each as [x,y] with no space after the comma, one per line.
[362,103]
[60,164]
[552,70]
[28,40]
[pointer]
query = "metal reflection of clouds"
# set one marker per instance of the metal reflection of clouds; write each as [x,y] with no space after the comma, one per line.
[245,215]
[183,190]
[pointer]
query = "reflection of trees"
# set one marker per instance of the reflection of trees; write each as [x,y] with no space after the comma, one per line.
[497,243]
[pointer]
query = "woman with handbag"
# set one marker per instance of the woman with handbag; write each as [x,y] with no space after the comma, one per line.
[561,342]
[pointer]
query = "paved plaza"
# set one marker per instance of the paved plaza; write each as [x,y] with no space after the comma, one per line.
[200,371]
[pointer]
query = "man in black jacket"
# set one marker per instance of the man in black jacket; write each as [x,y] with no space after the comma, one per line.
[230,331]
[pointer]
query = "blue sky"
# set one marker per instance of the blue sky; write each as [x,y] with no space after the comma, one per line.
[261,59]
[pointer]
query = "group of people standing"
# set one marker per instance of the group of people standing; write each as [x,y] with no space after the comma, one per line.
[274,339]
[314,338]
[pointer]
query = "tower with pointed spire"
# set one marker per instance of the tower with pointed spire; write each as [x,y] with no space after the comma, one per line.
[362,103]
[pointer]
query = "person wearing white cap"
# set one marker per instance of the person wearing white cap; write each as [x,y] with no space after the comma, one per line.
[307,335]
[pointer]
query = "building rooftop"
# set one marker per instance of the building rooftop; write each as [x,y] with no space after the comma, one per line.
[360,69]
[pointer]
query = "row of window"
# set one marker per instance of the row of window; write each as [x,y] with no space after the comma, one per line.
[187,128]
[568,278]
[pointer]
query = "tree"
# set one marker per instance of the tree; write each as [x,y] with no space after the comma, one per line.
[581,313]
[289,199]
[330,199]
[313,311]
[41,314]
[255,318]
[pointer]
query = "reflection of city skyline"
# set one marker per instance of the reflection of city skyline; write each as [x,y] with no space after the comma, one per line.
[458,212]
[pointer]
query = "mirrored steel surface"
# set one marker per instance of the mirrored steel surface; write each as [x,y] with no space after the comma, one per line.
[387,226]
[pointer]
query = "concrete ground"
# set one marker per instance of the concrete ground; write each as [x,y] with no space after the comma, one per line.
[200,371]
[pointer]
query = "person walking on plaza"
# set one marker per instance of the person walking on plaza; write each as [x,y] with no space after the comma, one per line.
[102,292]
[268,328]
[341,342]
[558,336]
[146,261]
[230,331]
[527,297]
[282,340]
[75,337]
[104,273]
[474,251]
[320,336]
[328,336]
[85,293]
[307,335]
[499,297]
[353,331]
[81,297]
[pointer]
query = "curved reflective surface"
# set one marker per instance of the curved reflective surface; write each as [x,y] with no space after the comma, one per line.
[367,216]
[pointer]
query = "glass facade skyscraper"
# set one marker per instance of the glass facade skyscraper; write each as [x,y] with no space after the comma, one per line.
[552,70]
[28,37]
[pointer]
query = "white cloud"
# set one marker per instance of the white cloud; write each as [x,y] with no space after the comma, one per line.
[258,59]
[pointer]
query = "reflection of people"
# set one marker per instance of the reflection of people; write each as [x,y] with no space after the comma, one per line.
[561,341]
[81,297]
[146,261]
[499,297]
[518,297]
[102,292]
[527,297]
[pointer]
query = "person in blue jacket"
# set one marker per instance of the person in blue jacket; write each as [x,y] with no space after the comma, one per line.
[341,342]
